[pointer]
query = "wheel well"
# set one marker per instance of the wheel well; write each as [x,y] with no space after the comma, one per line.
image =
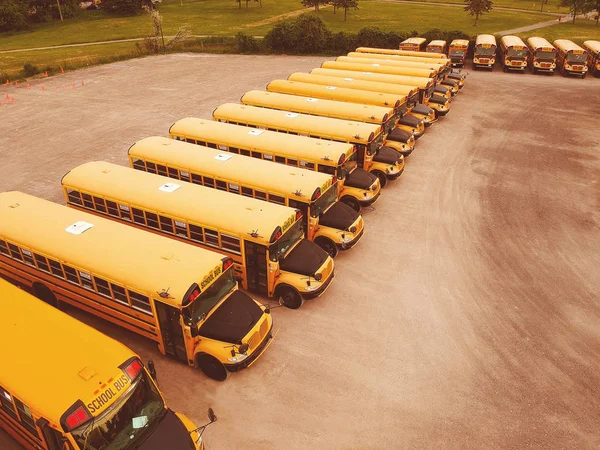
[283,286]
[44,293]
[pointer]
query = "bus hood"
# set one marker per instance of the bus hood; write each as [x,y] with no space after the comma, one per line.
[437,99]
[169,433]
[360,179]
[410,121]
[339,216]
[398,135]
[305,259]
[387,155]
[233,319]
[419,108]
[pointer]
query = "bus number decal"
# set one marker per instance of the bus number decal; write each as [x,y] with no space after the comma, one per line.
[100,401]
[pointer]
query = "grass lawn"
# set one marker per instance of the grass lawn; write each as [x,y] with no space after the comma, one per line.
[583,30]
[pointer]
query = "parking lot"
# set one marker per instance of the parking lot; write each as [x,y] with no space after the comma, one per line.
[466,318]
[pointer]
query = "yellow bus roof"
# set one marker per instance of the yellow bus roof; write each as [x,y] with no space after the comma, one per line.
[388,51]
[270,142]
[414,40]
[341,94]
[485,39]
[222,211]
[592,47]
[405,68]
[420,82]
[135,258]
[244,170]
[512,41]
[349,80]
[318,107]
[567,46]
[437,43]
[460,43]
[69,358]
[344,130]
[436,63]
[539,43]
[399,80]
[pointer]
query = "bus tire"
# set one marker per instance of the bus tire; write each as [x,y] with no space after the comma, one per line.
[289,297]
[328,245]
[583,76]
[211,367]
[351,202]
[504,69]
[42,292]
[382,178]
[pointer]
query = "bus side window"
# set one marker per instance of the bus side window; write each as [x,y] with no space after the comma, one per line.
[150,167]
[100,205]
[234,150]
[4,248]
[74,196]
[152,220]
[260,195]
[56,268]
[53,438]
[307,165]
[210,182]
[196,179]
[326,169]
[7,404]
[119,293]
[166,223]
[280,159]
[112,208]
[71,274]
[102,287]
[41,262]
[162,170]
[231,243]
[211,145]
[212,237]
[221,185]
[245,152]
[173,173]
[138,216]
[26,418]
[125,212]
[86,280]
[276,199]
[292,162]
[87,200]
[27,257]
[139,164]
[196,233]
[15,252]
[181,229]
[256,155]
[247,192]
[139,301]
[184,176]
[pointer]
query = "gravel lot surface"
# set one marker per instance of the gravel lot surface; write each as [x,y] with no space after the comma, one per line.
[468,316]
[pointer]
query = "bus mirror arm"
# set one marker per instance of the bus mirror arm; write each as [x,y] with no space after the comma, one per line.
[212,417]
[152,370]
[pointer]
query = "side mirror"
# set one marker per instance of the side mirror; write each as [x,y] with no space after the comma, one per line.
[151,369]
[211,415]
[267,310]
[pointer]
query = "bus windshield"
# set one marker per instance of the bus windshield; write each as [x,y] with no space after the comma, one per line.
[375,144]
[481,51]
[121,425]
[390,124]
[545,55]
[348,166]
[514,53]
[456,53]
[200,307]
[286,242]
[323,203]
[577,58]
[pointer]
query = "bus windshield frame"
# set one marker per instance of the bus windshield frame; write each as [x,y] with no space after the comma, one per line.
[85,434]
[324,202]
[576,58]
[456,52]
[286,242]
[348,166]
[485,51]
[516,53]
[375,144]
[540,54]
[199,308]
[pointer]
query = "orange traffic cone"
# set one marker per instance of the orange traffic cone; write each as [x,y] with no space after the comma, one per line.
[43,88]
[62,70]
[82,83]
[16,84]
[7,97]
[28,86]
[7,83]
[73,85]
[46,73]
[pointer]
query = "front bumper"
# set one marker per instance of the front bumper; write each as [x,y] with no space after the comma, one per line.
[352,243]
[255,355]
[371,201]
[315,294]
[395,176]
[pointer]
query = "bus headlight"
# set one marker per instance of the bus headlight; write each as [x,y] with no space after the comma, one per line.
[352,229]
[237,358]
[312,287]
[319,276]
[346,240]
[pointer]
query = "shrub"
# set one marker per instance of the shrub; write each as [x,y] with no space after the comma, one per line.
[375,37]
[30,70]
[13,15]
[124,7]
[246,44]
[305,34]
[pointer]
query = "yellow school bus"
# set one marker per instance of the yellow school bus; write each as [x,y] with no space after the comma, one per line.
[427,85]
[425,71]
[542,55]
[172,293]
[356,96]
[513,53]
[96,395]
[357,188]
[572,59]
[457,52]
[436,46]
[442,67]
[422,95]
[329,223]
[383,162]
[593,49]
[484,54]
[388,51]
[413,44]
[265,240]
[399,139]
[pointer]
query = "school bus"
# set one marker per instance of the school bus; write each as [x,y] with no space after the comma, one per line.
[401,68]
[264,240]
[436,46]
[355,95]
[388,51]
[329,223]
[366,137]
[513,53]
[399,139]
[172,293]
[593,49]
[572,59]
[422,95]
[484,54]
[441,104]
[356,187]
[457,52]
[413,44]
[542,55]
[99,396]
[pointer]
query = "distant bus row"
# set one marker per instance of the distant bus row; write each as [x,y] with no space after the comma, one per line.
[512,53]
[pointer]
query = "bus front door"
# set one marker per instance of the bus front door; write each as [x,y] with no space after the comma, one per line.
[172,334]
[256,267]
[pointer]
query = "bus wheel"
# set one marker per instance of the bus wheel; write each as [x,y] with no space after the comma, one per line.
[504,69]
[583,76]
[328,245]
[44,294]
[351,202]
[211,367]
[290,298]
[382,178]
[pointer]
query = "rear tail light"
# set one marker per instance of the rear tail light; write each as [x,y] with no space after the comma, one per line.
[133,369]
[192,294]
[227,263]
[76,418]
[276,235]
[342,159]
[316,194]
[298,215]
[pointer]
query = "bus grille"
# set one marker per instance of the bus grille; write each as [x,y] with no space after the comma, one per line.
[254,340]
[264,328]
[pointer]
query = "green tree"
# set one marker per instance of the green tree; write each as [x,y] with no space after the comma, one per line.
[13,15]
[577,6]
[124,7]
[345,5]
[478,7]
[315,3]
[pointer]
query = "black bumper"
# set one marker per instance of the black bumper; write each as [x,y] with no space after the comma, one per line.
[364,203]
[352,243]
[245,363]
[318,292]
[395,176]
